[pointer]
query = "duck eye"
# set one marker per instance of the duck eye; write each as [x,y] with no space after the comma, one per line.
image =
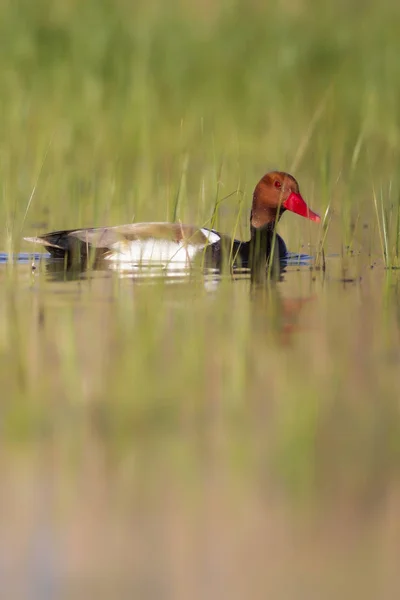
[277,184]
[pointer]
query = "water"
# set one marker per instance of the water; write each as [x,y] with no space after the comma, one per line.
[203,439]
[22,258]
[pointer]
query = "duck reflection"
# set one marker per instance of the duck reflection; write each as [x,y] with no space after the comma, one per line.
[270,308]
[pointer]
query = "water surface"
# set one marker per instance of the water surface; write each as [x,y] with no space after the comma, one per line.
[198,436]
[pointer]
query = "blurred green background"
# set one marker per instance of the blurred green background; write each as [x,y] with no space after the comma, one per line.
[201,438]
[120,101]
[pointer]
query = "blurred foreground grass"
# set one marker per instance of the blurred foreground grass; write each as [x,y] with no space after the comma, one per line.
[180,440]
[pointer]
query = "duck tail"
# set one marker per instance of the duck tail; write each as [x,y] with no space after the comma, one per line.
[43,241]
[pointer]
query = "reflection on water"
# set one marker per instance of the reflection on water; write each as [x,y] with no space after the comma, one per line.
[208,439]
[55,268]
[292,258]
[23,257]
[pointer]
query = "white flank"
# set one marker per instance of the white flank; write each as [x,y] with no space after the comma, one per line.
[171,255]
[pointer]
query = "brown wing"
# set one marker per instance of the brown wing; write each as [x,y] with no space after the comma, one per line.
[59,242]
[106,237]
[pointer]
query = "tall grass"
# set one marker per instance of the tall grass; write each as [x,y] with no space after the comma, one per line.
[109,101]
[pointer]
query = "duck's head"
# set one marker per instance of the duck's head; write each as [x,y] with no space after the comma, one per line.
[275,193]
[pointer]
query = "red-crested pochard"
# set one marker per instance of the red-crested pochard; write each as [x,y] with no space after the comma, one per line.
[176,245]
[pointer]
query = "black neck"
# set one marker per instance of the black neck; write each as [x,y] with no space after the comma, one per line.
[261,241]
[260,248]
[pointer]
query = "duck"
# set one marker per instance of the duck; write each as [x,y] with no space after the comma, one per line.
[178,245]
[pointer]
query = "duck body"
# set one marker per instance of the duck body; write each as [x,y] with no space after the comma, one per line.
[175,245]
[164,244]
[146,244]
